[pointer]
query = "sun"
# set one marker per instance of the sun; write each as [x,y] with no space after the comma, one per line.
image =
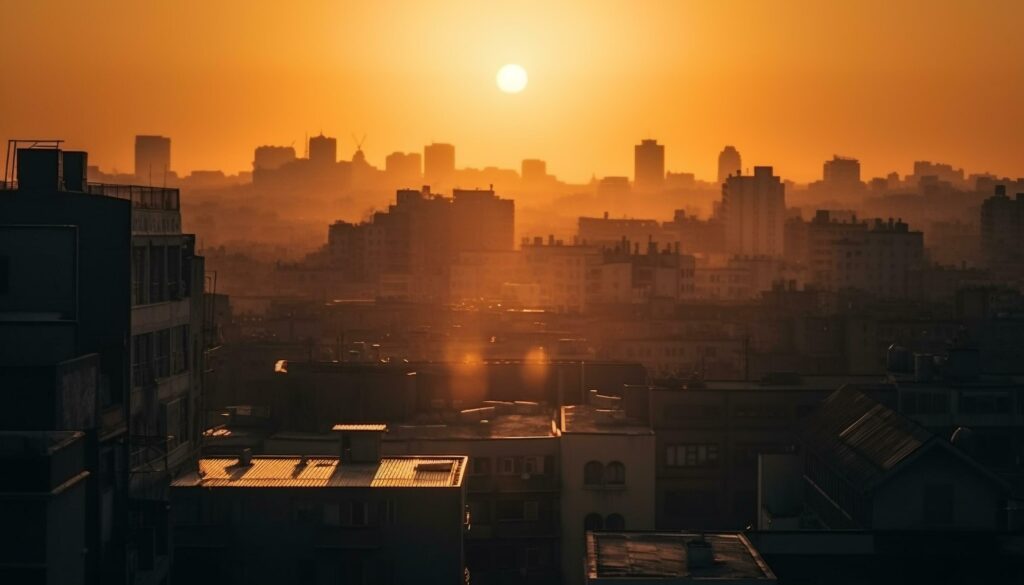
[512,78]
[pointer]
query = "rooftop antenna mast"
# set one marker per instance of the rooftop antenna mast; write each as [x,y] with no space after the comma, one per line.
[359,141]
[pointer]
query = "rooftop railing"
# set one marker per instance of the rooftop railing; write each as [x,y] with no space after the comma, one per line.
[142,197]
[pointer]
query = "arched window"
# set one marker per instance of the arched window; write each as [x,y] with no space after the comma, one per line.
[593,473]
[616,473]
[615,522]
[593,522]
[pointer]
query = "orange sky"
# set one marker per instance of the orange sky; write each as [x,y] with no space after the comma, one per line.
[788,82]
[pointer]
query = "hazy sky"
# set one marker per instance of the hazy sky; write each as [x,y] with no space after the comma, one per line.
[788,82]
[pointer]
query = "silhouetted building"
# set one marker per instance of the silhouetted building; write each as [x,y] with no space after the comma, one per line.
[513,484]
[152,159]
[482,221]
[841,172]
[403,168]
[120,300]
[868,467]
[608,469]
[323,150]
[534,171]
[729,163]
[439,165]
[357,518]
[649,164]
[272,157]
[754,213]
[1002,230]
[43,499]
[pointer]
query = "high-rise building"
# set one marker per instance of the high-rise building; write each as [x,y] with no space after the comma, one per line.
[106,340]
[482,221]
[729,163]
[1002,230]
[152,159]
[404,168]
[323,149]
[841,171]
[268,158]
[754,212]
[534,171]
[649,164]
[438,164]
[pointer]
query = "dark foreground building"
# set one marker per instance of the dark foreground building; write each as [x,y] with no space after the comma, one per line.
[358,518]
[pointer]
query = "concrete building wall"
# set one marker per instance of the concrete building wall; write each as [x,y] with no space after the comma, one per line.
[903,502]
[633,500]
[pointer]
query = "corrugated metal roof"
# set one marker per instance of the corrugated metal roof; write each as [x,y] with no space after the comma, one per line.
[662,556]
[861,438]
[290,472]
[376,428]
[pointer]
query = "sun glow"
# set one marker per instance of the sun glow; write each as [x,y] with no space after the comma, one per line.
[512,78]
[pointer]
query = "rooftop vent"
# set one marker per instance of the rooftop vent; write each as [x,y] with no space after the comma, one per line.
[245,458]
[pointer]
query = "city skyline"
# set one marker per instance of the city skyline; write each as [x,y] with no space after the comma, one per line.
[680,73]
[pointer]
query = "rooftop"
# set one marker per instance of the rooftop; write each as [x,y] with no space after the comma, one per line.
[327,472]
[492,426]
[360,428]
[590,419]
[662,557]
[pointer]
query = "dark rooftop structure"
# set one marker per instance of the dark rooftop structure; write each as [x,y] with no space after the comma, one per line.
[866,440]
[658,558]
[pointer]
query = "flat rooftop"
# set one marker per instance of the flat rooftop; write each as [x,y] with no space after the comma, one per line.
[661,557]
[581,418]
[327,472]
[504,426]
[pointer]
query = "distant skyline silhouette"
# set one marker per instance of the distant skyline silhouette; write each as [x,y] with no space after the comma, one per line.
[885,82]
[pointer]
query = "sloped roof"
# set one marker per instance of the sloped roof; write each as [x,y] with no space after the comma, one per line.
[860,438]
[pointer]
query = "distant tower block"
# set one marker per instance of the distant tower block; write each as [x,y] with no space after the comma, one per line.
[649,164]
[729,163]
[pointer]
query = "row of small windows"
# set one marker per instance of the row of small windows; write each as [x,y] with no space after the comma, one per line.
[596,473]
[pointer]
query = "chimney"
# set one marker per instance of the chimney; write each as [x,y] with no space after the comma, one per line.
[245,458]
[699,553]
[359,443]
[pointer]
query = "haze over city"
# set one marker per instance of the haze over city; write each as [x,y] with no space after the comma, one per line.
[793,82]
[531,293]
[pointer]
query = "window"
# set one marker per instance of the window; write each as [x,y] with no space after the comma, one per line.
[360,515]
[692,455]
[157,262]
[138,275]
[507,466]
[616,473]
[533,465]
[615,522]
[938,504]
[480,466]
[593,473]
[516,510]
[387,511]
[593,522]
[162,358]
[332,514]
